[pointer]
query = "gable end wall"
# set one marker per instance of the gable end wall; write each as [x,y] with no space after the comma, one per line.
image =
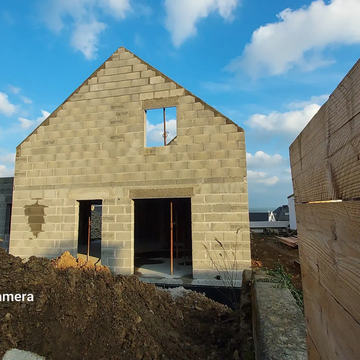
[92,147]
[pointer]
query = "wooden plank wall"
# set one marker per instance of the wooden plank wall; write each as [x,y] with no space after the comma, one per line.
[325,165]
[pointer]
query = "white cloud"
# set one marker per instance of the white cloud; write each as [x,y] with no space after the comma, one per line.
[4,171]
[26,100]
[299,38]
[86,37]
[82,16]
[263,160]
[14,89]
[155,132]
[26,123]
[288,174]
[291,122]
[259,177]
[6,107]
[217,87]
[117,8]
[182,16]
[8,158]
[319,100]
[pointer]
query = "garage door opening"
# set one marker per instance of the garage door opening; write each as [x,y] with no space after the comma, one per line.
[163,245]
[89,235]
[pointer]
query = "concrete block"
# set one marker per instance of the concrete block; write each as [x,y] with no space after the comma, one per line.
[157,80]
[162,86]
[218,154]
[161,94]
[230,145]
[147,73]
[146,96]
[125,69]
[177,92]
[140,82]
[140,67]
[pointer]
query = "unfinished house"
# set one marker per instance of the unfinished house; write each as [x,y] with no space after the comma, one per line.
[159,206]
[6,190]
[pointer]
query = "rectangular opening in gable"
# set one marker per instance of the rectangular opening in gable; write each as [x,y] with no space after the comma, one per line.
[161,126]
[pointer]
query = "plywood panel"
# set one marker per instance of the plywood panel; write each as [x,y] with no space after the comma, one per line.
[313,353]
[325,157]
[329,244]
[313,134]
[344,102]
[330,326]
[332,169]
[329,235]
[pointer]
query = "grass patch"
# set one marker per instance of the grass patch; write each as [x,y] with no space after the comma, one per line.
[283,279]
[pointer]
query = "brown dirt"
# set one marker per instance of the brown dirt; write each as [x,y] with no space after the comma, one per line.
[82,311]
[267,251]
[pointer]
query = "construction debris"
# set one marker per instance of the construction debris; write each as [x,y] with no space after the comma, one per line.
[291,241]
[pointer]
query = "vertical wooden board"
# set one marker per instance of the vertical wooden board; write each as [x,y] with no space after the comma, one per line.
[313,353]
[313,134]
[328,149]
[310,176]
[331,170]
[333,331]
[329,236]
[348,134]
[345,170]
[344,157]
[295,151]
[344,102]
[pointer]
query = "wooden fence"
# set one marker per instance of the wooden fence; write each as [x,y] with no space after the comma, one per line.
[325,165]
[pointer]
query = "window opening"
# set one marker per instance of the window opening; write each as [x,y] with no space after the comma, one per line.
[161,126]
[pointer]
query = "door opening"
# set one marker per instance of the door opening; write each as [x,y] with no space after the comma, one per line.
[163,244]
[89,234]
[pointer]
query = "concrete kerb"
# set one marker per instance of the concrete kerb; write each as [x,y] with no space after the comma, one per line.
[278,324]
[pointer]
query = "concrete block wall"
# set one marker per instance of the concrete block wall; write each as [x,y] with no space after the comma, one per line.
[93,147]
[6,192]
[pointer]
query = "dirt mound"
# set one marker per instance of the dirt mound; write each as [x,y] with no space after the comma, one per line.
[82,311]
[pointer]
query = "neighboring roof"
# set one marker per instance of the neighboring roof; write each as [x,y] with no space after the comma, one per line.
[290,196]
[282,213]
[259,216]
[6,180]
[206,106]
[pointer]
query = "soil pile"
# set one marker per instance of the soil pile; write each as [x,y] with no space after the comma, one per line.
[82,311]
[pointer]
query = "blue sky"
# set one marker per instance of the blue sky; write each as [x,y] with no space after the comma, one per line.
[268,65]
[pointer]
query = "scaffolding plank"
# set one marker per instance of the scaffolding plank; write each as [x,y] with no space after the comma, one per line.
[289,241]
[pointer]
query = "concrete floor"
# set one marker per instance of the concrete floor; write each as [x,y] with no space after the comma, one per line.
[95,252]
[161,268]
